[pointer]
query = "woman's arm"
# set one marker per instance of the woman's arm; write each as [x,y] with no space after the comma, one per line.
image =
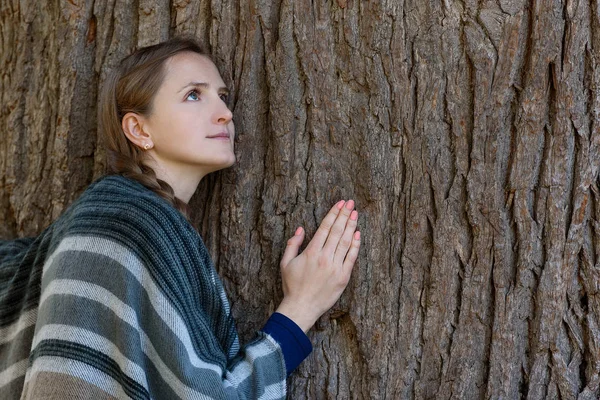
[314,280]
[104,326]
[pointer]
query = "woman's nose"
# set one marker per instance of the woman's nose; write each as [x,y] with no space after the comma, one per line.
[223,114]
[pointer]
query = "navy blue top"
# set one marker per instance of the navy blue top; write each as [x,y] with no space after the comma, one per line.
[293,341]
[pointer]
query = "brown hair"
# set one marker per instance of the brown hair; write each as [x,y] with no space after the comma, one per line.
[131,87]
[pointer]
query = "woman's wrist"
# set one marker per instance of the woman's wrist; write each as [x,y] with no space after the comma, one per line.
[295,344]
[305,320]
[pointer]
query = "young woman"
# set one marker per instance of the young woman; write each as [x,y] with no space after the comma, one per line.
[118,298]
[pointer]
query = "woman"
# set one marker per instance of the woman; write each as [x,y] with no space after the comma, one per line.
[118,298]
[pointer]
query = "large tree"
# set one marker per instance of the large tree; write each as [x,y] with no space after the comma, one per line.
[467,132]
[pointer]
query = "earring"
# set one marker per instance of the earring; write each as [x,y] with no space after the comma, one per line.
[146,146]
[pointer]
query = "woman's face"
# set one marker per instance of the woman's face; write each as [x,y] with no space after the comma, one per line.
[190,125]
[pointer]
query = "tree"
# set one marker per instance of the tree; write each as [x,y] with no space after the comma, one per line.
[467,132]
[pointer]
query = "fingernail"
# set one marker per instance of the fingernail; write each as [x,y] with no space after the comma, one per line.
[350,204]
[298,231]
[354,215]
[357,235]
[340,204]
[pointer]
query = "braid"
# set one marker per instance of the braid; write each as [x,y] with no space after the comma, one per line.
[142,173]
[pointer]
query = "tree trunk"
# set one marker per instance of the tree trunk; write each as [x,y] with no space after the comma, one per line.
[466,131]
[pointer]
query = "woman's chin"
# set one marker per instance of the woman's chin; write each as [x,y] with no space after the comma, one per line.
[224,165]
[230,162]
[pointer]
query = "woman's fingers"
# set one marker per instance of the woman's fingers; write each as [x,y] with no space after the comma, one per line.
[337,230]
[322,232]
[314,280]
[352,254]
[293,246]
[346,239]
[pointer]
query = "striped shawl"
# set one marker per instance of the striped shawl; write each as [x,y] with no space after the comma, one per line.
[119,298]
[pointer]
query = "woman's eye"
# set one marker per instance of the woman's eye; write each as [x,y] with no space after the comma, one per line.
[193,95]
[224,97]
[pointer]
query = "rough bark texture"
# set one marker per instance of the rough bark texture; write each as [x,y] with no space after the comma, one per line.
[466,131]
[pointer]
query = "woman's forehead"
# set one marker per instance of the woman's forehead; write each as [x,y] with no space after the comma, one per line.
[187,67]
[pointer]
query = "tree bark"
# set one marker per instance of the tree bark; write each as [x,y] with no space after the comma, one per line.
[466,131]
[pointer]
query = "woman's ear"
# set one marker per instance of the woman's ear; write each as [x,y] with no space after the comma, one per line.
[133,127]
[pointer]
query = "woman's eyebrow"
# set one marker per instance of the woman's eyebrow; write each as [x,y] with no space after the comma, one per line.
[203,85]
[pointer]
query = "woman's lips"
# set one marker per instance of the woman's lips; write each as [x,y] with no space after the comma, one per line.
[220,136]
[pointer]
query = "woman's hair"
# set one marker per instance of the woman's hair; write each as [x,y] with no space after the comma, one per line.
[131,87]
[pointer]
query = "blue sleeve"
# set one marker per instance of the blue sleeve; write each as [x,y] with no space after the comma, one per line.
[293,341]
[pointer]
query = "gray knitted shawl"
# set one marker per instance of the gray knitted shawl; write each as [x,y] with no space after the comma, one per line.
[119,298]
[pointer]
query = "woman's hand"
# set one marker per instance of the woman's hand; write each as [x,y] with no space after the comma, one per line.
[314,280]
